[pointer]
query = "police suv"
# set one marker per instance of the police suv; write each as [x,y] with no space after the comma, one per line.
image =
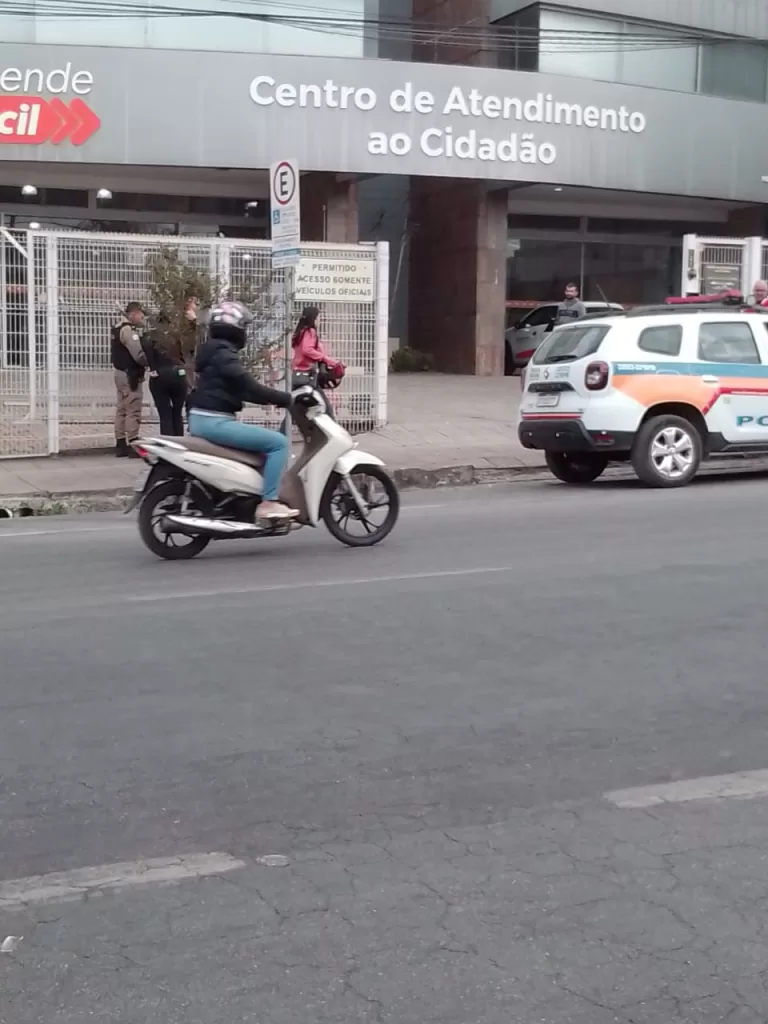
[660,387]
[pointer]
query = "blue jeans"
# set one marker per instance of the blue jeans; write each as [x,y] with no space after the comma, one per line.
[231,433]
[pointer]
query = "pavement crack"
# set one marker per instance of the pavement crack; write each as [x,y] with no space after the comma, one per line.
[596,1003]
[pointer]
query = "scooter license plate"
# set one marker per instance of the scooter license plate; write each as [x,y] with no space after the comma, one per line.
[547,401]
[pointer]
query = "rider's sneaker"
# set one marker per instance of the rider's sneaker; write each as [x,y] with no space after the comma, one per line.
[276,510]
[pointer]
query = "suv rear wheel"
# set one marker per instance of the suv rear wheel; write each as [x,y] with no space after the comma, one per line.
[576,468]
[667,452]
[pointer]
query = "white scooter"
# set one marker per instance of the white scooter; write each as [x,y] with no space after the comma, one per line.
[195,492]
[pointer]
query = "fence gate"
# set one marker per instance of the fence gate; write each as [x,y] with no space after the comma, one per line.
[25,412]
[711,265]
[61,292]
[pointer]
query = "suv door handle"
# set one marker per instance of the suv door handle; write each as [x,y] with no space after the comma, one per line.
[708,379]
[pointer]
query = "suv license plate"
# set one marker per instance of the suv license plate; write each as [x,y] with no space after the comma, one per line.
[547,401]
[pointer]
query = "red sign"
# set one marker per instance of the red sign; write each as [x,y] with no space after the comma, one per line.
[32,120]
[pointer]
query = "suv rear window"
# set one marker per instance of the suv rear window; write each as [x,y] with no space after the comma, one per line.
[568,344]
[727,342]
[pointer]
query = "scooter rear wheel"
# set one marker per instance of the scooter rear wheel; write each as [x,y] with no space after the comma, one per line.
[163,500]
[339,511]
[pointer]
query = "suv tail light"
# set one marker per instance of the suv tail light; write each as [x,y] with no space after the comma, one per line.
[522,379]
[596,376]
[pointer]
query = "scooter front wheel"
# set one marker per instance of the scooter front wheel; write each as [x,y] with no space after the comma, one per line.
[340,506]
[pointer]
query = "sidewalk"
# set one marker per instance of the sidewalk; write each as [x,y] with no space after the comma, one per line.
[442,429]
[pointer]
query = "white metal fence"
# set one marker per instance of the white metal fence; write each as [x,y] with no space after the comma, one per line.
[61,292]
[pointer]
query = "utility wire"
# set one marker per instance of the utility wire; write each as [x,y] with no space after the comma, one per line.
[522,39]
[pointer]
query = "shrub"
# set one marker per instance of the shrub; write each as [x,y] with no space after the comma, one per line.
[410,360]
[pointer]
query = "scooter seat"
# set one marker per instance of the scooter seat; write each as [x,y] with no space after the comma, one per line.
[196,444]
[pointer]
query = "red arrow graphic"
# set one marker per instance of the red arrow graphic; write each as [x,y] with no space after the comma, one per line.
[89,122]
[68,121]
[32,120]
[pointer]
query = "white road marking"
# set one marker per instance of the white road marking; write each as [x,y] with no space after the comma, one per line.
[738,786]
[65,531]
[64,886]
[271,588]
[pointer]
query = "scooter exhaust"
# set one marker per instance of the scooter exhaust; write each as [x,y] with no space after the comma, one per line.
[194,526]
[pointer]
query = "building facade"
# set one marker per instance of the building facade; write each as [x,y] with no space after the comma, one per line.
[503,148]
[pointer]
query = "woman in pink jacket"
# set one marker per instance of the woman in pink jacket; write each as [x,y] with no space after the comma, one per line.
[310,363]
[308,353]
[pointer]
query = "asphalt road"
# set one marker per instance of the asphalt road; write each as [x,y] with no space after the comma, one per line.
[426,733]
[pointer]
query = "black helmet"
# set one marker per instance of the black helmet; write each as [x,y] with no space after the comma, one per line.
[229,321]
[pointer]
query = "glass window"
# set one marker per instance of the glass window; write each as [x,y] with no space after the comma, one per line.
[207,31]
[633,226]
[630,274]
[539,269]
[517,40]
[727,343]
[542,222]
[567,344]
[664,340]
[573,44]
[735,70]
[651,58]
[543,316]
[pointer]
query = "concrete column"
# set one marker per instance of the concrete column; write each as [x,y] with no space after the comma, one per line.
[458,274]
[328,209]
[458,229]
[477,46]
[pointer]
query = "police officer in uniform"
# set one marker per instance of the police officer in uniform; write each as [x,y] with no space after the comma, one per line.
[129,362]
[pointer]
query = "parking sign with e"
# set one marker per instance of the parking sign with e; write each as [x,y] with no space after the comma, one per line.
[286,213]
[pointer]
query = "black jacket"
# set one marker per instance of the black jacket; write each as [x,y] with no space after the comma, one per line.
[163,351]
[224,384]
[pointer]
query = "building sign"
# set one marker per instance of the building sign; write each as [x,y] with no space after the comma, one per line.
[718,277]
[32,112]
[486,138]
[32,120]
[374,117]
[319,280]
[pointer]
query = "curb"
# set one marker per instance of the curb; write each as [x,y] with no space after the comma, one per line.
[463,476]
[113,500]
[50,503]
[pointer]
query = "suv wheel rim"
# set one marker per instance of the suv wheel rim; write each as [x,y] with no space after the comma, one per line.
[673,452]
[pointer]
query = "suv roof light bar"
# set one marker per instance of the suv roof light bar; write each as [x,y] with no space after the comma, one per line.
[724,302]
[727,297]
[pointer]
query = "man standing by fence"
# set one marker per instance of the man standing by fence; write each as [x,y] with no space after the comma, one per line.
[129,363]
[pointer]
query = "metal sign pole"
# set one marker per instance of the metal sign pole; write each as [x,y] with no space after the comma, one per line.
[285,230]
[288,347]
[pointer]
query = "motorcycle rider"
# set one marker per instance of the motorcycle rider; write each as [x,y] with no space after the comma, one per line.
[223,385]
